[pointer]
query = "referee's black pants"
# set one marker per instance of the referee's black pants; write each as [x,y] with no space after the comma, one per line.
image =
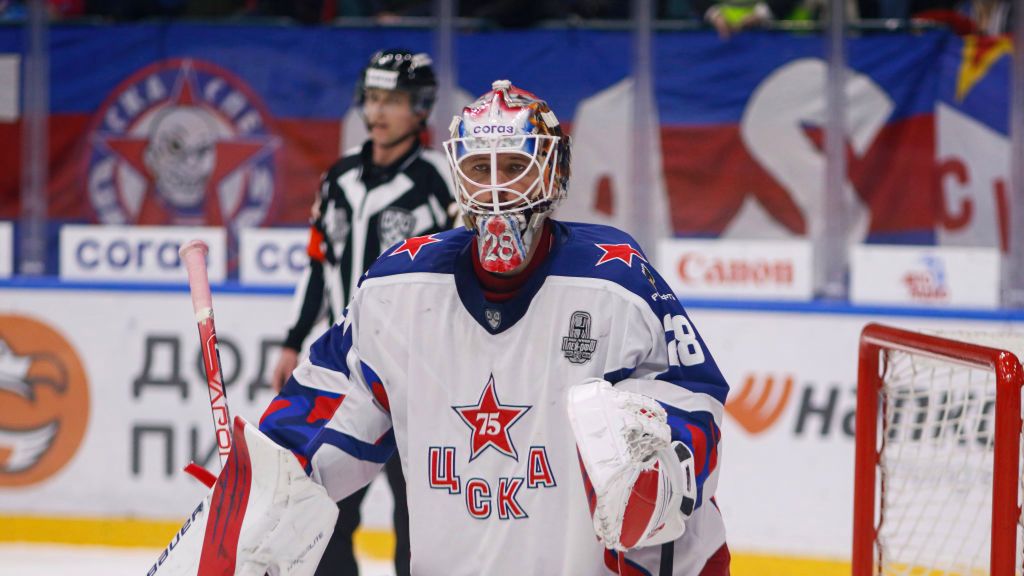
[339,559]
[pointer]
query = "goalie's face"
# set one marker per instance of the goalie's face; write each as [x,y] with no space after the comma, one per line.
[501,182]
[503,175]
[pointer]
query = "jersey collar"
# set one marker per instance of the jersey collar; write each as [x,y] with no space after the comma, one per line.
[496,317]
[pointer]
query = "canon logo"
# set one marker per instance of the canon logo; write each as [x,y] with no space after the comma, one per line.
[697,268]
[494,129]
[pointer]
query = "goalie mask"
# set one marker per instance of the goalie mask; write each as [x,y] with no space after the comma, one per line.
[510,162]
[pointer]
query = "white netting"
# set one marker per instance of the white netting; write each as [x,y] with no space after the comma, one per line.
[936,463]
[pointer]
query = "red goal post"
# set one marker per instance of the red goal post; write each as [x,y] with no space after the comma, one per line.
[879,345]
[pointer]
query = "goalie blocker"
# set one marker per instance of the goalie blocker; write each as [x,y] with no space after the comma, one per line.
[263,516]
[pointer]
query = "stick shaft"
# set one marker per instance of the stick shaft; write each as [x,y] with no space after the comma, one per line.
[193,256]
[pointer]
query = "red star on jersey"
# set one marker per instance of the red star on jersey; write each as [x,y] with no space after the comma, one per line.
[623,252]
[490,420]
[412,246]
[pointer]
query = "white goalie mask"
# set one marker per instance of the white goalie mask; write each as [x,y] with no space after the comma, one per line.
[510,163]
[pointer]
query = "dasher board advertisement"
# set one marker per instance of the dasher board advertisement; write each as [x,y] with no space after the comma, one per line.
[925,276]
[136,253]
[761,269]
[272,256]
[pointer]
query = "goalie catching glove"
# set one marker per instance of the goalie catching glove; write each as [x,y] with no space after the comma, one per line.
[640,485]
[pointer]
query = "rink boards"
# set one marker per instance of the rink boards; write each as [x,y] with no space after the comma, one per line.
[111,404]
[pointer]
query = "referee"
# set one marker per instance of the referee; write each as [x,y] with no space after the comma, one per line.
[390,189]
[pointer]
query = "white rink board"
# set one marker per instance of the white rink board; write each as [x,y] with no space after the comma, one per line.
[783,490]
[108,330]
[788,489]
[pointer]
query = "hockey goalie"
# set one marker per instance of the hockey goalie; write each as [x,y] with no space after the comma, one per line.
[553,406]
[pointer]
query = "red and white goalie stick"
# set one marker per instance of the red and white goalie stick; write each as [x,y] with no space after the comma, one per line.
[193,256]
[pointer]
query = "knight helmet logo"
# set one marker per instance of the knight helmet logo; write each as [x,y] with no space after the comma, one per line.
[44,401]
[181,142]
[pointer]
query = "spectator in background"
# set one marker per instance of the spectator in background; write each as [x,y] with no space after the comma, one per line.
[302,11]
[135,9]
[675,10]
[57,9]
[987,17]
[512,13]
[598,9]
[992,17]
[731,16]
[60,9]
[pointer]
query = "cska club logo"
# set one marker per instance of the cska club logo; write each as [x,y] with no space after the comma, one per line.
[490,421]
[182,142]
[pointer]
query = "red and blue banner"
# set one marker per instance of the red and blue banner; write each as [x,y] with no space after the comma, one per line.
[191,124]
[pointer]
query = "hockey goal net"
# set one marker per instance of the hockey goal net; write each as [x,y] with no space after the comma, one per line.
[938,454]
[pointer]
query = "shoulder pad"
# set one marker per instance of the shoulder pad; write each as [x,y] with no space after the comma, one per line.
[432,253]
[594,251]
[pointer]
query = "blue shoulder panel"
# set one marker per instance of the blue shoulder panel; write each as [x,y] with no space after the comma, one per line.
[593,251]
[433,253]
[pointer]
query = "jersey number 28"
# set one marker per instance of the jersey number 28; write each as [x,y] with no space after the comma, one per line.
[683,348]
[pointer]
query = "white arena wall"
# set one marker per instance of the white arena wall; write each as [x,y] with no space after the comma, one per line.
[786,484]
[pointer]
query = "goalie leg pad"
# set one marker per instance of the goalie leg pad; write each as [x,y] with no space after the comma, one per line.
[263,516]
[635,480]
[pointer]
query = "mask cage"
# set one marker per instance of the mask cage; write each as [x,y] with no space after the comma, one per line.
[539,151]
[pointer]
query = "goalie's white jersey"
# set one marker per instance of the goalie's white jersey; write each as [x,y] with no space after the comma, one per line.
[472,394]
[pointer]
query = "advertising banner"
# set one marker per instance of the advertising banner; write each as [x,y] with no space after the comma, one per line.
[272,256]
[136,253]
[739,152]
[767,269]
[104,401]
[973,142]
[110,400]
[922,275]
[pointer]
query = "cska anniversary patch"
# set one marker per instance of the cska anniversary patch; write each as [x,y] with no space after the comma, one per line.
[578,346]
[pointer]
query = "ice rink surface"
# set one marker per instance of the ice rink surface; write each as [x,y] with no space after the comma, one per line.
[59,560]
